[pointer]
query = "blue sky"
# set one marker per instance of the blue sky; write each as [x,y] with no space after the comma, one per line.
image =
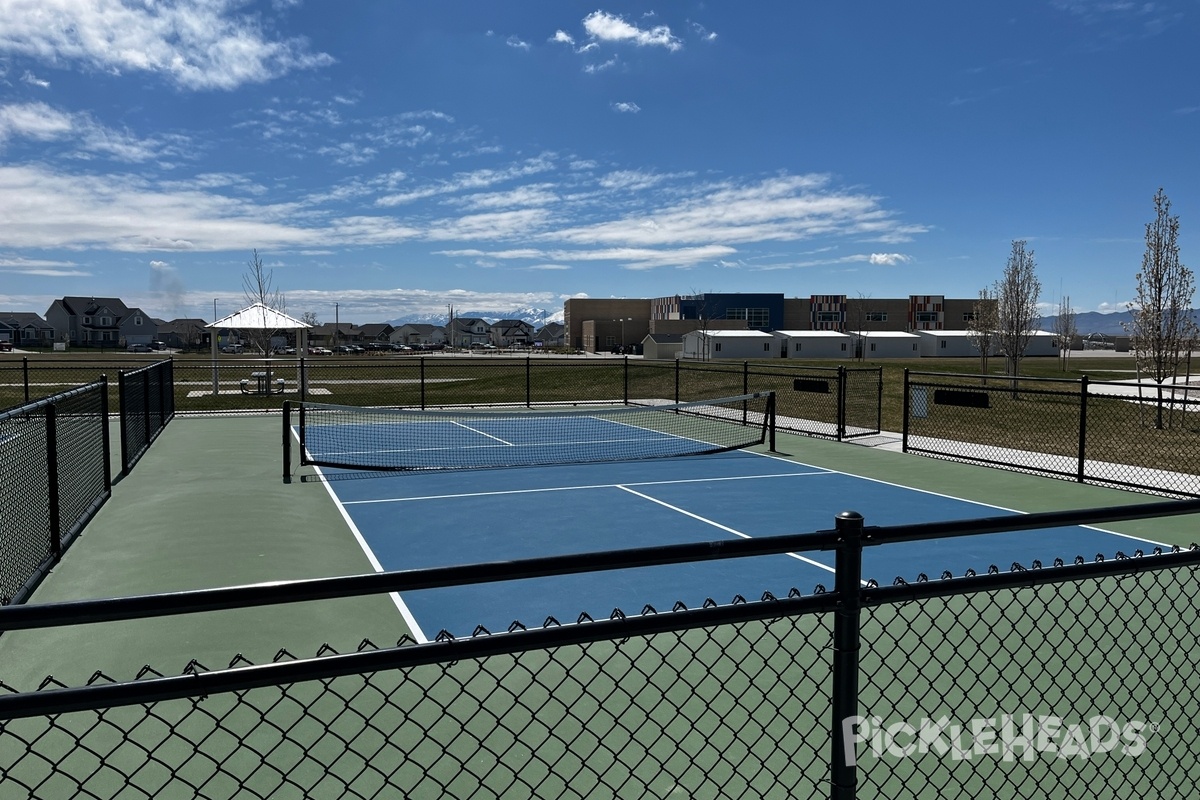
[395,157]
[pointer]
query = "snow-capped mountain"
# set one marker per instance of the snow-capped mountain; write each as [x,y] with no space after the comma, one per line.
[534,316]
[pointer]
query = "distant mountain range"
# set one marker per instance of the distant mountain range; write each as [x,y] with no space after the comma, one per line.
[1094,322]
[1111,324]
[537,317]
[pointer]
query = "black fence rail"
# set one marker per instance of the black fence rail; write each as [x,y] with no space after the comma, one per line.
[1103,432]
[146,405]
[1065,680]
[833,402]
[54,476]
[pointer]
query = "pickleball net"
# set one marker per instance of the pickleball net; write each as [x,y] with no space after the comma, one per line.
[353,437]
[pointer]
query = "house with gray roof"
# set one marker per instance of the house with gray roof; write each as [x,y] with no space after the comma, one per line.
[25,329]
[100,322]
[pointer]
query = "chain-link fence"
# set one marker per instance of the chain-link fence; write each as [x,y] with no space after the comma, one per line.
[1103,432]
[1064,680]
[54,475]
[147,404]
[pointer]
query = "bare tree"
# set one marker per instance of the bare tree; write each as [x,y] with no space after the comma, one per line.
[858,317]
[983,326]
[258,287]
[1065,331]
[1017,295]
[310,318]
[1162,330]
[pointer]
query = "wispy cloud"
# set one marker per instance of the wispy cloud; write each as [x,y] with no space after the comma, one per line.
[197,46]
[44,123]
[626,108]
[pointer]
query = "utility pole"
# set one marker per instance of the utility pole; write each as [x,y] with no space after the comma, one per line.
[337,327]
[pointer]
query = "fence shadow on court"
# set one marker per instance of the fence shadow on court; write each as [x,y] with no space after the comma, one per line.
[1062,680]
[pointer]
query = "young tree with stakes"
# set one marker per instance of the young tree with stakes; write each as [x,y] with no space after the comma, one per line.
[1162,330]
[1065,331]
[982,327]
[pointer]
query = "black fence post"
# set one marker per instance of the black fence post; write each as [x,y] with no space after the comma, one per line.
[528,382]
[421,381]
[303,379]
[846,640]
[25,375]
[1081,473]
[52,487]
[677,380]
[126,456]
[104,437]
[904,416]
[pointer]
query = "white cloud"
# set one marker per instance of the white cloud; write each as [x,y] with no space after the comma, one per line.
[889,259]
[517,43]
[562,37]
[196,45]
[611,28]
[626,108]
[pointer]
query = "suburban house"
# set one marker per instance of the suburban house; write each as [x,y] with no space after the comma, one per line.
[419,334]
[100,322]
[376,333]
[185,333]
[511,333]
[468,331]
[21,328]
[551,335]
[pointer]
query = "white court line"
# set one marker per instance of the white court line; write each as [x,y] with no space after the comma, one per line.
[481,433]
[401,606]
[725,528]
[964,500]
[816,471]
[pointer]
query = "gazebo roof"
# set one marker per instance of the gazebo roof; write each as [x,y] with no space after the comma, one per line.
[259,317]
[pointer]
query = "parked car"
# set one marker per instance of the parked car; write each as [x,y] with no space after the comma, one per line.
[5,346]
[235,349]
[319,351]
[138,348]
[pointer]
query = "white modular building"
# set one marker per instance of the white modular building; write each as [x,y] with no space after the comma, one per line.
[738,344]
[958,344]
[814,344]
[887,344]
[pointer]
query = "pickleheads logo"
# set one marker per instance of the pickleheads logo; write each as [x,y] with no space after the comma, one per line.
[1007,736]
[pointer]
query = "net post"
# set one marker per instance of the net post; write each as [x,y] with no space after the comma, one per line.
[301,423]
[625,379]
[841,402]
[770,421]
[1081,465]
[287,441]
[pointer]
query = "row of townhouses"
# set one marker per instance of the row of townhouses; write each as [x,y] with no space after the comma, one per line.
[108,323]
